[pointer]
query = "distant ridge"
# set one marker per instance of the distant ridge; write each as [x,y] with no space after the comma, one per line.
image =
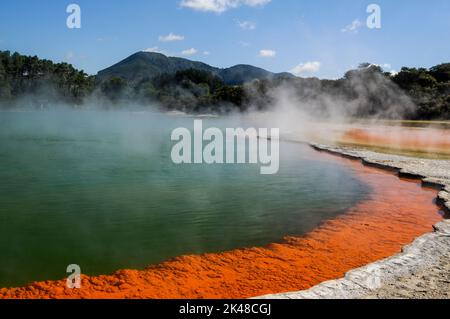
[147,65]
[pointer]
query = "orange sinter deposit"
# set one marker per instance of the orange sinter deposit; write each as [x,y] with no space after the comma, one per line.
[397,212]
[400,138]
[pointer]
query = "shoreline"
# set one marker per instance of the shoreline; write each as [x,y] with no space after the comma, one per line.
[296,263]
[422,269]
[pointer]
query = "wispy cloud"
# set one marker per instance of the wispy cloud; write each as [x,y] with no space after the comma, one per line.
[171,37]
[387,67]
[69,56]
[220,6]
[306,68]
[247,25]
[189,52]
[353,27]
[154,50]
[106,39]
[267,53]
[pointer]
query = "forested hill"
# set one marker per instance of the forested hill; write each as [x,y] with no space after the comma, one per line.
[41,80]
[149,79]
[148,65]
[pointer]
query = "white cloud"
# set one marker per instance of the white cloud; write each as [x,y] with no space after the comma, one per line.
[244,44]
[171,37]
[394,72]
[220,6]
[189,52]
[206,53]
[385,66]
[154,50]
[70,56]
[107,39]
[267,53]
[304,68]
[247,25]
[353,27]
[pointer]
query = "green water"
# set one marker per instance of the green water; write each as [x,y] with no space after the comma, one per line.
[100,190]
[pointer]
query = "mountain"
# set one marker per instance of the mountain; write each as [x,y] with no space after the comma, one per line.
[143,65]
[242,73]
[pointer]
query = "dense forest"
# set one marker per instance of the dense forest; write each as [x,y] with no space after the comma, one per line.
[41,82]
[417,94]
[189,90]
[367,91]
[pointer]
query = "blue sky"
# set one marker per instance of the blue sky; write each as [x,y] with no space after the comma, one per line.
[321,38]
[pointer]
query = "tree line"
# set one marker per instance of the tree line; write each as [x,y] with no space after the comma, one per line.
[41,80]
[412,93]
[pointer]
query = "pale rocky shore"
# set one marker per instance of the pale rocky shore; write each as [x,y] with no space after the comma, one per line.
[422,269]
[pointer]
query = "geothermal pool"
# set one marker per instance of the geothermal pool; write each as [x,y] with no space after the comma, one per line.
[100,190]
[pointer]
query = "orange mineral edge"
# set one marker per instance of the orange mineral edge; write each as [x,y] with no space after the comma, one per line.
[396,212]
